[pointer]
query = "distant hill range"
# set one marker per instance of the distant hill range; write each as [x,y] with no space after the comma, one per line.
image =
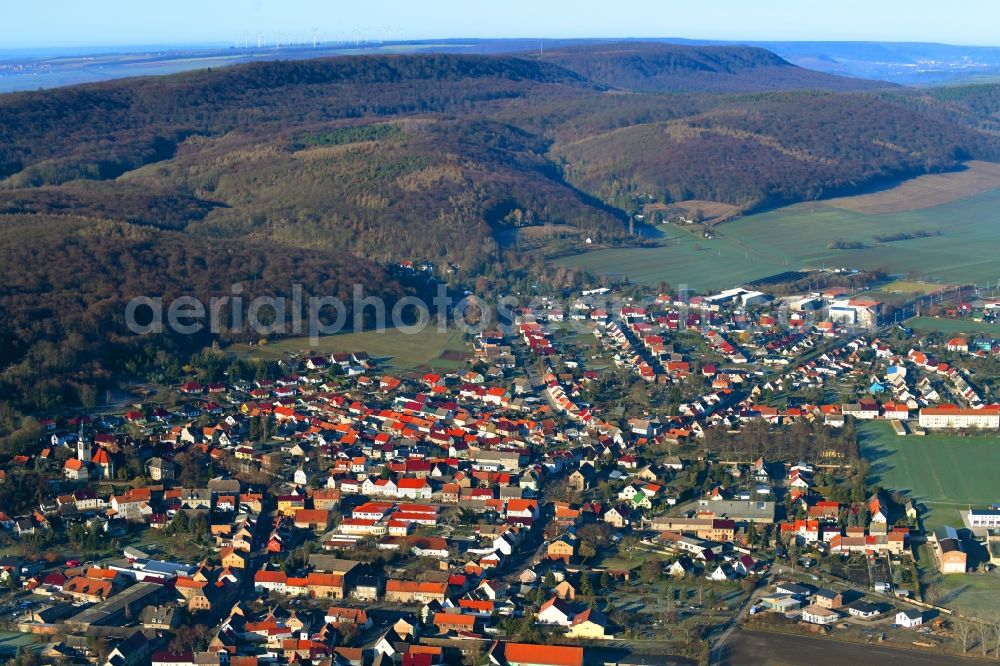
[905,63]
[370,160]
[652,67]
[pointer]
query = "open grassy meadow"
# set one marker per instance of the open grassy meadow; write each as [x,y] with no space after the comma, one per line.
[952,326]
[961,248]
[428,349]
[945,472]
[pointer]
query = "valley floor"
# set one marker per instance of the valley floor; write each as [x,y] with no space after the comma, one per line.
[959,249]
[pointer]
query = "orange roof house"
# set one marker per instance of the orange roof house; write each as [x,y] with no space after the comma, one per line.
[530,654]
[88,589]
[312,519]
[455,621]
[404,591]
[325,585]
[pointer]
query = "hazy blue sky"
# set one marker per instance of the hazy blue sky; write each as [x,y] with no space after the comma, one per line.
[48,23]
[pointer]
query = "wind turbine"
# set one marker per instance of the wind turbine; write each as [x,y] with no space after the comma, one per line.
[315,31]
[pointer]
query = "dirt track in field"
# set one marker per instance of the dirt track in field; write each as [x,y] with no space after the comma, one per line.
[925,191]
[760,648]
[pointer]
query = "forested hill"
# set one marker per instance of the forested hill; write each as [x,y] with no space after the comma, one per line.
[101,130]
[392,157]
[649,67]
[65,282]
[773,150]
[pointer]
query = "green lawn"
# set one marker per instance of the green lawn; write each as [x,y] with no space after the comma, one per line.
[620,563]
[909,287]
[945,472]
[798,236]
[951,326]
[11,641]
[974,594]
[428,348]
[898,292]
[174,546]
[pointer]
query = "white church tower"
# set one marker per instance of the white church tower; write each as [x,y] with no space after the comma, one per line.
[82,447]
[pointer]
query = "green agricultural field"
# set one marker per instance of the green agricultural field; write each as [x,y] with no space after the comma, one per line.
[798,236]
[952,326]
[429,348]
[945,472]
[685,259]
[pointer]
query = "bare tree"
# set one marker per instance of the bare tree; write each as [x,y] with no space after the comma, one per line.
[986,630]
[670,613]
[965,630]
[995,623]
